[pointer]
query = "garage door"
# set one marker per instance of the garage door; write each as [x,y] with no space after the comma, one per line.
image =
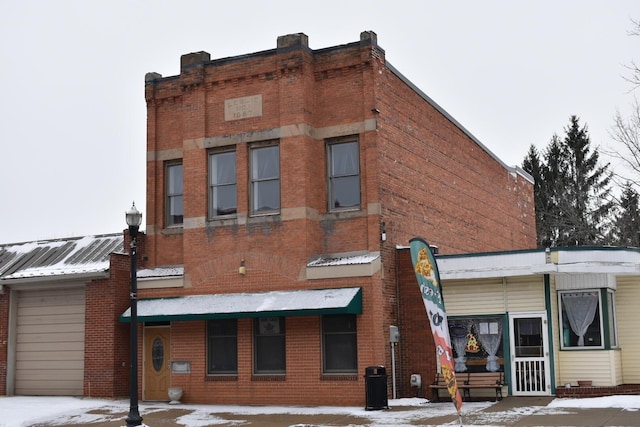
[50,342]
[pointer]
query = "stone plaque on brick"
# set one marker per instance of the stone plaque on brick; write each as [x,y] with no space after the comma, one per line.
[243,108]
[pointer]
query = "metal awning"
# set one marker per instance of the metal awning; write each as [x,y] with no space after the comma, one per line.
[260,304]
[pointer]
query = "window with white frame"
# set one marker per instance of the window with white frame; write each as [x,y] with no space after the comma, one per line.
[344,175]
[222,346]
[265,179]
[174,209]
[269,345]
[611,319]
[339,344]
[587,318]
[222,184]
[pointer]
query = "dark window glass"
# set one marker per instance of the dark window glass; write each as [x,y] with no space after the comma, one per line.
[222,346]
[344,176]
[157,354]
[222,190]
[174,208]
[340,346]
[265,179]
[269,345]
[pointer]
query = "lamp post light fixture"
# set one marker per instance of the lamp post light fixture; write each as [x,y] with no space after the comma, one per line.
[134,218]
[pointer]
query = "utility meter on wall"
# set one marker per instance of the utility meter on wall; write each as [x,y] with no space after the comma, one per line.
[394,335]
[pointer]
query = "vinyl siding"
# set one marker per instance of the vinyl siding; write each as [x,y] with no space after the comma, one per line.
[465,298]
[525,294]
[627,303]
[598,366]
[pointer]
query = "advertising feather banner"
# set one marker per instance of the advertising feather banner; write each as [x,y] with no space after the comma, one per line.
[426,269]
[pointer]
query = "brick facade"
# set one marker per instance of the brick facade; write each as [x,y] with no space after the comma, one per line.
[4,338]
[106,357]
[421,174]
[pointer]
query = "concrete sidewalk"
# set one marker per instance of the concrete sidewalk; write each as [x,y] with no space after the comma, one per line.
[511,411]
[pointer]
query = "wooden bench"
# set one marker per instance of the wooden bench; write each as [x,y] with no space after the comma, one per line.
[470,380]
[480,380]
[437,384]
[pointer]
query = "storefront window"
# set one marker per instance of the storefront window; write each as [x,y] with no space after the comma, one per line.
[477,344]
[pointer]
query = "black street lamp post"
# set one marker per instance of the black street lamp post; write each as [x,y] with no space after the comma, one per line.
[134,218]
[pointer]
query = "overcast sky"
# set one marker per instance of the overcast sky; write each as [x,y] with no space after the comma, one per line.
[73,116]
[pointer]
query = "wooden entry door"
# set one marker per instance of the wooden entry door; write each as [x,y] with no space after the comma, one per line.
[157,350]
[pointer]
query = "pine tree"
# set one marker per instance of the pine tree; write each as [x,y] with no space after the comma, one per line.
[626,223]
[572,199]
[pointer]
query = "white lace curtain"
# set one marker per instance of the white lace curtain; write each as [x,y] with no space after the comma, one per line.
[580,308]
[489,333]
[459,338]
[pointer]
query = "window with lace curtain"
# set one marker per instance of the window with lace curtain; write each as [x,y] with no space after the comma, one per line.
[477,343]
[587,319]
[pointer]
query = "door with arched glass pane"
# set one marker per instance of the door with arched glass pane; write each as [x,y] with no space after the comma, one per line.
[156,363]
[530,373]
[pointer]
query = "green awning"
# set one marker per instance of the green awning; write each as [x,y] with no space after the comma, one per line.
[311,302]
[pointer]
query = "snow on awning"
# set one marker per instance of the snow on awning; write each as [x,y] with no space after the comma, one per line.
[260,304]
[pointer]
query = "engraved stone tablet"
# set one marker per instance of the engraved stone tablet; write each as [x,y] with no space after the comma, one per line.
[243,108]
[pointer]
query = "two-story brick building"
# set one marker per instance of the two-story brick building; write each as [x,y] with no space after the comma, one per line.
[279,185]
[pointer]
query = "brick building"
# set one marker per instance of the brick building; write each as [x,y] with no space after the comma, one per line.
[280,185]
[288,177]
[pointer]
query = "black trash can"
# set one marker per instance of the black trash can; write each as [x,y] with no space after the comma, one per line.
[375,383]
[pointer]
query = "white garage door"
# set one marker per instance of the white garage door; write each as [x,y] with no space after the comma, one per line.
[50,342]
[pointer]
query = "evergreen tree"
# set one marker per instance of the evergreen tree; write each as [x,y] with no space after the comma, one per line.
[626,223]
[537,169]
[572,199]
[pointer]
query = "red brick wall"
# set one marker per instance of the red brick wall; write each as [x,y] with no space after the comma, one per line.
[4,338]
[416,346]
[106,362]
[439,184]
[420,174]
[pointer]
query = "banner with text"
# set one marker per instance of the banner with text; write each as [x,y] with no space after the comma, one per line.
[426,270]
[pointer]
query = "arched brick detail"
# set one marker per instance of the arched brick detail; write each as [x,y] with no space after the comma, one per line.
[258,264]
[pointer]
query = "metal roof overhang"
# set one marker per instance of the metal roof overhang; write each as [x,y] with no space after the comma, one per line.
[312,302]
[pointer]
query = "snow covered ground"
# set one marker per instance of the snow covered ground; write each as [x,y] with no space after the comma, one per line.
[22,411]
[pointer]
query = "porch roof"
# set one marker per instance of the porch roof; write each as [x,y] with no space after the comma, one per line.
[241,305]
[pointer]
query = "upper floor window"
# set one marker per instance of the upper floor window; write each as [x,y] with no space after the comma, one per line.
[339,344]
[174,209]
[588,319]
[344,175]
[265,179]
[269,345]
[222,184]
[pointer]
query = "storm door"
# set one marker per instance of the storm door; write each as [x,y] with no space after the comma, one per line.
[530,373]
